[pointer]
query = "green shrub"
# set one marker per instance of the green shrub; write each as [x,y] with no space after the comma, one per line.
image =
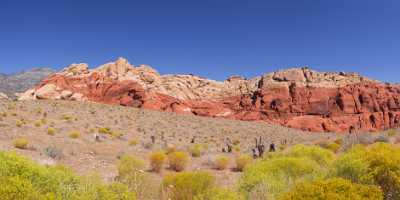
[129,166]
[352,166]
[242,161]
[378,164]
[67,117]
[39,110]
[21,143]
[322,156]
[121,192]
[46,180]
[22,179]
[16,188]
[384,165]
[221,162]
[20,123]
[333,189]
[116,134]
[91,187]
[74,134]
[38,123]
[105,130]
[268,178]
[334,147]
[187,185]
[196,150]
[131,172]
[205,147]
[157,160]
[178,160]
[133,142]
[51,131]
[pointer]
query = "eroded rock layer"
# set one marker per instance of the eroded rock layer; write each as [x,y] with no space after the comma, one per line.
[298,98]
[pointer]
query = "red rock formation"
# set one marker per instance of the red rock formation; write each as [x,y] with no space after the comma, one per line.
[365,106]
[297,98]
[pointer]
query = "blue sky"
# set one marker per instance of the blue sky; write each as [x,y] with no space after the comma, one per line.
[212,38]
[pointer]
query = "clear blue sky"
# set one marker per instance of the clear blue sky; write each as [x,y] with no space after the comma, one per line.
[212,38]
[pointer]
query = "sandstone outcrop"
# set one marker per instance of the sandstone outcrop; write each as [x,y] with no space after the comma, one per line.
[299,97]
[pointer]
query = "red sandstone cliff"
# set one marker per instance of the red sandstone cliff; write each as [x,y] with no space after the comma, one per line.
[299,97]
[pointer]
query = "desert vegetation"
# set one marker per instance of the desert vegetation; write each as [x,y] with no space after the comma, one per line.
[126,153]
[22,179]
[302,172]
[21,143]
[178,160]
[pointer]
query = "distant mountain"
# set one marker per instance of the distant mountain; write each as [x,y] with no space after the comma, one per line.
[20,82]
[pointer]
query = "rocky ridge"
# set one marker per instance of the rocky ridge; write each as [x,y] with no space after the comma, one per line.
[298,97]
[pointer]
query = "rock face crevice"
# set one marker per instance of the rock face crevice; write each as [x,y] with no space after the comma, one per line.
[299,97]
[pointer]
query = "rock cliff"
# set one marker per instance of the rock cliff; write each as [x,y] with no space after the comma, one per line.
[299,97]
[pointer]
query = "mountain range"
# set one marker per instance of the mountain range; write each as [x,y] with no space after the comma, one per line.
[10,84]
[298,97]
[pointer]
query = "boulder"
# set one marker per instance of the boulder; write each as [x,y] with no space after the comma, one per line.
[48,91]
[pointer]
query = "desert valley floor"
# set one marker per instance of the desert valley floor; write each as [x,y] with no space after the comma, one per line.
[130,132]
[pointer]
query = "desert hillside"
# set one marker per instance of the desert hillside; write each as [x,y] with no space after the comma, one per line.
[300,98]
[126,130]
[115,143]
